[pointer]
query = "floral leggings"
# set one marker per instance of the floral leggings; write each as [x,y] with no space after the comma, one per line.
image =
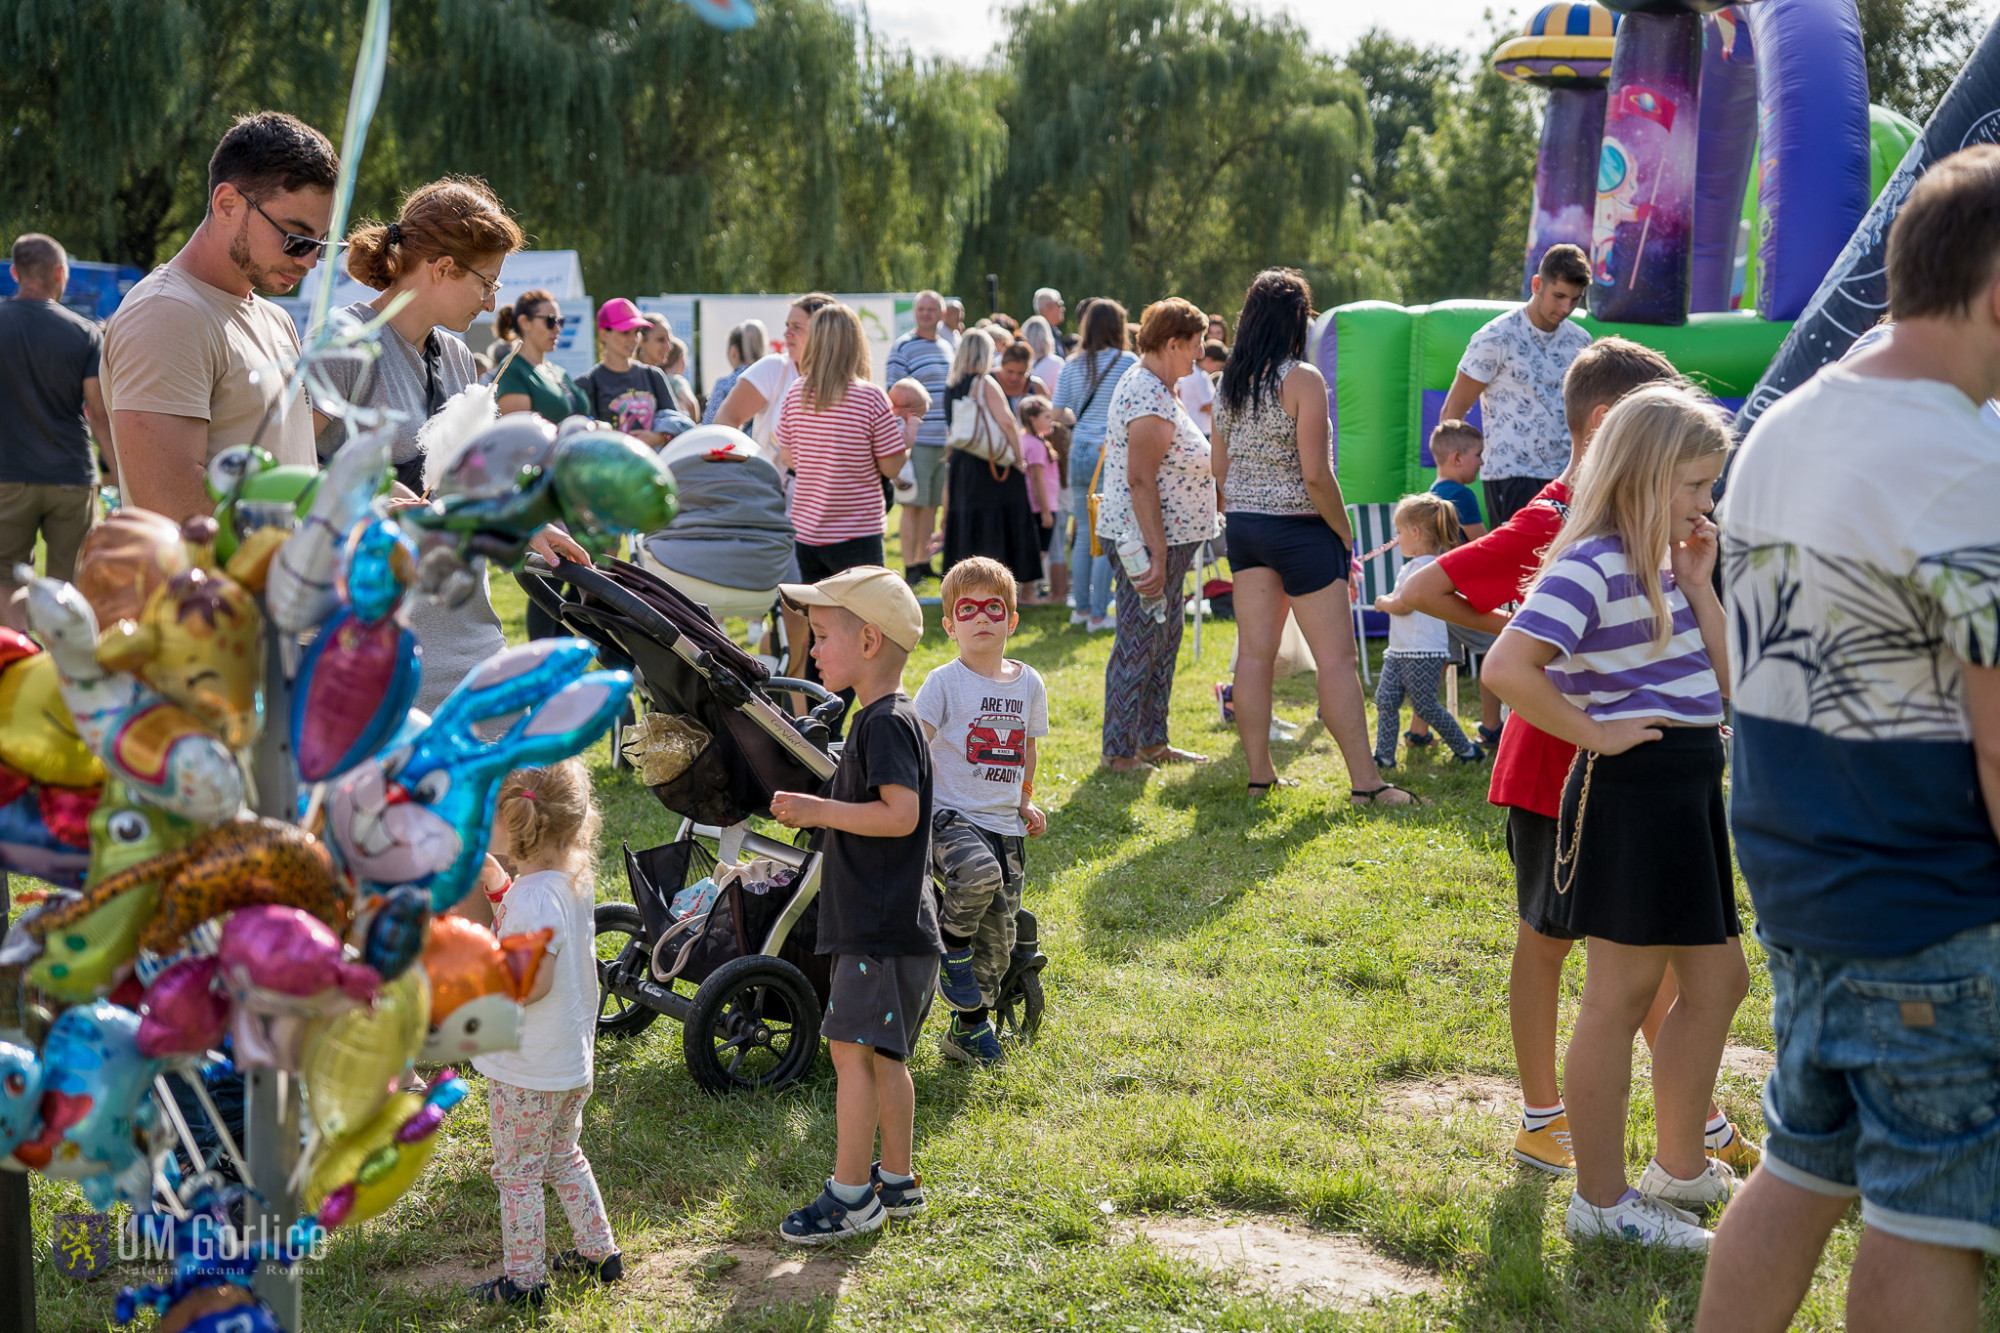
[535,1141]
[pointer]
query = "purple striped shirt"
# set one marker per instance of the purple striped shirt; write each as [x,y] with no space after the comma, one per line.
[1590,607]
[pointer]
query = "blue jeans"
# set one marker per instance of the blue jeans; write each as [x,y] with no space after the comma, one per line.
[1888,1085]
[1089,576]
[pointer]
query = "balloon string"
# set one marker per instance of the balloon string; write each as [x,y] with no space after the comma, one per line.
[173,1110]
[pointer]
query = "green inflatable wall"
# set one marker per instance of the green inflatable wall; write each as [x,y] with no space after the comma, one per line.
[1387,358]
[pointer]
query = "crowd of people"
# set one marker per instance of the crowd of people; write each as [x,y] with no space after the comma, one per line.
[1844,618]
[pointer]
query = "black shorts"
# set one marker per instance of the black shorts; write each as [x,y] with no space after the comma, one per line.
[880,1002]
[823,562]
[1508,496]
[1307,555]
[1531,842]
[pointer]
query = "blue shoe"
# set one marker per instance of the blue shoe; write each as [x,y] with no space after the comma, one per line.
[1489,737]
[955,980]
[1386,765]
[1478,756]
[502,1290]
[827,1219]
[898,1200]
[1417,740]
[977,1047]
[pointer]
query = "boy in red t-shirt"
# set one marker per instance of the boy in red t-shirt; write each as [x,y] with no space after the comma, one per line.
[1468,586]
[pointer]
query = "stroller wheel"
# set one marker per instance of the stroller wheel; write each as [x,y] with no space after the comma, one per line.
[753,1024]
[621,936]
[1018,1014]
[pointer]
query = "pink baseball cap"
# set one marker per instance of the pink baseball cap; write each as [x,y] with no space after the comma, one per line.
[620,314]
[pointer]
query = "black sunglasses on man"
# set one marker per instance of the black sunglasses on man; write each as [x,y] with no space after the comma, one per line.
[293,244]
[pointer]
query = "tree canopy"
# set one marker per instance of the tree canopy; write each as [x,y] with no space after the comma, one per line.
[1124,147]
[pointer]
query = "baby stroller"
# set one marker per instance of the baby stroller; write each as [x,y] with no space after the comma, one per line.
[736,967]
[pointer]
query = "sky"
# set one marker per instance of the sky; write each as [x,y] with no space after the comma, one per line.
[968,29]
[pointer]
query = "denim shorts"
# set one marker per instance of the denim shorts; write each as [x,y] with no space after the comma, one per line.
[1888,1085]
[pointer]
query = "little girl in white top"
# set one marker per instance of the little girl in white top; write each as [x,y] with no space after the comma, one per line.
[1419,645]
[545,828]
[1619,649]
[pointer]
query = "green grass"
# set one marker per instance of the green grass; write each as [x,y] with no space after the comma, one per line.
[1236,989]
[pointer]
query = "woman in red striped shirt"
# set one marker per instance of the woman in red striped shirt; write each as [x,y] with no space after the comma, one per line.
[842,438]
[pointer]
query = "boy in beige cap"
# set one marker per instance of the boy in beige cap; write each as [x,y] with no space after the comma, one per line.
[876,917]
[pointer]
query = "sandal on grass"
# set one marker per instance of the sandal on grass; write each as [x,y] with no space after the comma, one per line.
[1374,795]
[1167,754]
[1263,788]
[1125,763]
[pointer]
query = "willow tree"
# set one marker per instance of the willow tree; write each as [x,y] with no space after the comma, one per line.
[678,157]
[1165,146]
[109,108]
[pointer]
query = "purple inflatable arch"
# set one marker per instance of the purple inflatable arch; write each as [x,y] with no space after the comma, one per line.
[1778,85]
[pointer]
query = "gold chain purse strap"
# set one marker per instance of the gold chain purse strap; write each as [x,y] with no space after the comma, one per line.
[1568,860]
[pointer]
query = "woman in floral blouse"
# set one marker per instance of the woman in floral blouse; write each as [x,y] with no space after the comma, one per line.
[1157,489]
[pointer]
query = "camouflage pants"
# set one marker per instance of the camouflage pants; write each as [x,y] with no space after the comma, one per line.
[981,875]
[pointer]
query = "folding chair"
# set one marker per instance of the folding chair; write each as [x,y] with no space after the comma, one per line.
[1374,547]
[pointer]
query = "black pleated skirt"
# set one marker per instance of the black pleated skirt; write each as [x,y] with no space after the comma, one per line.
[1642,858]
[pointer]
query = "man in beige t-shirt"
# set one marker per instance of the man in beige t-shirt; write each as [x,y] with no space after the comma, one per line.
[181,349]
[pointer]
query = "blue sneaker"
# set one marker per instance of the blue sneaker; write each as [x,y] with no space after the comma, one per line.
[976,1047]
[898,1200]
[955,981]
[827,1219]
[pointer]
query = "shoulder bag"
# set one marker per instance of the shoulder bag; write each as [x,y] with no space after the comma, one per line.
[1094,498]
[974,433]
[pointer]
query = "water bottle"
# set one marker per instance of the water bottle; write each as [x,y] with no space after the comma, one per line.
[1132,551]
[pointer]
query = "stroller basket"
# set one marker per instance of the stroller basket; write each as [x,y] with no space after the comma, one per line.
[736,925]
[690,669]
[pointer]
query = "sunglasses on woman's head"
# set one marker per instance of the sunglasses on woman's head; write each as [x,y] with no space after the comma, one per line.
[291,243]
[993,608]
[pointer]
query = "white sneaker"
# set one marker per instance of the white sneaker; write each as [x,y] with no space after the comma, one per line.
[1641,1220]
[1716,1185]
[1100,623]
[1079,618]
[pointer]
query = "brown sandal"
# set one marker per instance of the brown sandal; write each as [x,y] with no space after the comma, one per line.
[1167,754]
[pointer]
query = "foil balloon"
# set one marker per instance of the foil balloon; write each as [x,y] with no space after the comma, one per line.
[241,864]
[20,1093]
[88,947]
[478,987]
[99,1123]
[255,492]
[301,591]
[520,474]
[182,1012]
[282,966]
[361,673]
[419,813]
[37,738]
[199,643]
[42,830]
[165,754]
[361,1175]
[207,1286]
[352,1061]
[124,559]
[392,930]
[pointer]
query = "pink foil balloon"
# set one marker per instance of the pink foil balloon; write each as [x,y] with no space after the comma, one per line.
[181,1012]
[283,966]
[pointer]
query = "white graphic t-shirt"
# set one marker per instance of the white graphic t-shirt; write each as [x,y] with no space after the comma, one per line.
[558,1031]
[979,743]
[1522,407]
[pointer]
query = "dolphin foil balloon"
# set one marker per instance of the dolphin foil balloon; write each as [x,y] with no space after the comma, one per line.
[420,812]
[100,1125]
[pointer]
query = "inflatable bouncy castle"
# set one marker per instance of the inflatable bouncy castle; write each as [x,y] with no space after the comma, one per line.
[1711,159]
